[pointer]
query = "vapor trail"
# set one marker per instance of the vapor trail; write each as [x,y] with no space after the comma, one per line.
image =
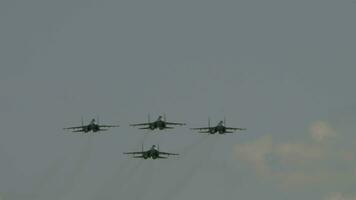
[71,181]
[48,177]
[118,180]
[194,163]
[144,138]
[192,146]
[145,180]
[112,188]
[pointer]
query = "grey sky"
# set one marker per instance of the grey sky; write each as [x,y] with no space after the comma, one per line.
[283,69]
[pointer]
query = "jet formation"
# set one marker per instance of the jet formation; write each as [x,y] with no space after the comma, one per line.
[160,124]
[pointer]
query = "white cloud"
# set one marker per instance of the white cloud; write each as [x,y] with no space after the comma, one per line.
[298,178]
[320,131]
[303,162]
[299,152]
[339,196]
[255,153]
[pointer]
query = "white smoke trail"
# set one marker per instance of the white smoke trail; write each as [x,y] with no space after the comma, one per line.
[194,162]
[112,188]
[138,189]
[72,178]
[48,177]
[120,177]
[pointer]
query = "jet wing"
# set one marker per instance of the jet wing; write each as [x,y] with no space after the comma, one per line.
[103,129]
[204,131]
[138,157]
[203,128]
[137,152]
[165,153]
[142,124]
[145,128]
[162,157]
[173,123]
[75,127]
[235,129]
[108,126]
[167,127]
[78,131]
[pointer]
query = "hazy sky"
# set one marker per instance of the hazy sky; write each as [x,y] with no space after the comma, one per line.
[285,70]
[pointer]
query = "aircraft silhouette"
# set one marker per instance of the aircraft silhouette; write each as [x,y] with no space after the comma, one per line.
[160,124]
[220,128]
[92,126]
[153,153]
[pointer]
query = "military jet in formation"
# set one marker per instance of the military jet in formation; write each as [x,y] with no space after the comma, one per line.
[161,124]
[92,126]
[220,128]
[153,153]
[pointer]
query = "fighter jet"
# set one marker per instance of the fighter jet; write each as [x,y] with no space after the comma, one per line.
[153,153]
[219,128]
[160,124]
[92,126]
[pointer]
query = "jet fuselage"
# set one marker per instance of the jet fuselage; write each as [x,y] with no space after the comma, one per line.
[220,128]
[91,127]
[152,153]
[159,123]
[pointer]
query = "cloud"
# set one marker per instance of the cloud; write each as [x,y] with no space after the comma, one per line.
[298,178]
[255,153]
[311,160]
[299,152]
[321,131]
[340,196]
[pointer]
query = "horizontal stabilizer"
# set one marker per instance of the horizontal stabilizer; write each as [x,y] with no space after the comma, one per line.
[138,157]
[229,132]
[78,131]
[204,132]
[145,128]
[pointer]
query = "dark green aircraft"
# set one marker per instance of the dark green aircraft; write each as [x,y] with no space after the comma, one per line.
[160,124]
[219,128]
[92,126]
[153,153]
